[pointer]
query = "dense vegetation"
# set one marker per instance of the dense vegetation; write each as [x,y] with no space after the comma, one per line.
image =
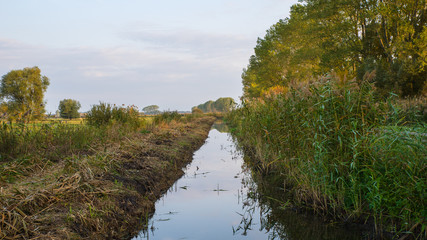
[225,104]
[322,110]
[349,38]
[340,152]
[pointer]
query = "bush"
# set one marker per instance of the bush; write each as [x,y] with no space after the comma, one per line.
[106,114]
[100,115]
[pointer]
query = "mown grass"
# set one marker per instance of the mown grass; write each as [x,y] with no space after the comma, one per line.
[343,152]
[73,181]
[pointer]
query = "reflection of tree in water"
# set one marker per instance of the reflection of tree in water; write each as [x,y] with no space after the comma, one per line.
[279,221]
[220,126]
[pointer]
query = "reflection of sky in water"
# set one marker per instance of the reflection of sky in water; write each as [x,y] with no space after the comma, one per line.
[194,208]
[210,200]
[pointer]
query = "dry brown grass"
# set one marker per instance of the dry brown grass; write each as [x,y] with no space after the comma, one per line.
[107,194]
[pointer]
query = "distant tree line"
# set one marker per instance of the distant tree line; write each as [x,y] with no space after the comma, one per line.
[225,104]
[22,98]
[348,38]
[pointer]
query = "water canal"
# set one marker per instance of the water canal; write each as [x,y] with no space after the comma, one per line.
[214,200]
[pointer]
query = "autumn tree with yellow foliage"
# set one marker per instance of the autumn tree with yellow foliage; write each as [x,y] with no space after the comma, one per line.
[22,93]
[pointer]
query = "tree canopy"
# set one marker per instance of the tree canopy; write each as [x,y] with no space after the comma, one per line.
[347,37]
[220,105]
[69,108]
[22,93]
[151,109]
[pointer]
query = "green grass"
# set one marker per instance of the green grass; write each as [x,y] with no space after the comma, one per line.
[346,154]
[167,117]
[24,147]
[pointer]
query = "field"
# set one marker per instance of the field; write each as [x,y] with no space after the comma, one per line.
[75,180]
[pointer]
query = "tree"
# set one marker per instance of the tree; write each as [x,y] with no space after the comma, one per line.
[69,108]
[345,37]
[220,105]
[207,106]
[224,104]
[152,109]
[3,109]
[23,93]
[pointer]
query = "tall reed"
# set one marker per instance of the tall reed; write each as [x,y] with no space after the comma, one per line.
[339,148]
[28,139]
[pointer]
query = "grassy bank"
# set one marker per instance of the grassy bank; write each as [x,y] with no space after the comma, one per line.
[90,182]
[342,152]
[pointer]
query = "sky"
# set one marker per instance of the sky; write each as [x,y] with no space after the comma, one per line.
[174,54]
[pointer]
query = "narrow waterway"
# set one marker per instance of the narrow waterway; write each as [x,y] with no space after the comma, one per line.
[215,200]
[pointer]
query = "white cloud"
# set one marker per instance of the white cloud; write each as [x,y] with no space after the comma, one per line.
[199,43]
[128,74]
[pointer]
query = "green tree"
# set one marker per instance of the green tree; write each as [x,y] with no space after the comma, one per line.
[23,93]
[225,104]
[152,109]
[220,105]
[345,37]
[207,106]
[3,109]
[69,108]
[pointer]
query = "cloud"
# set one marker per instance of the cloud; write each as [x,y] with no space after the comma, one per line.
[199,43]
[169,77]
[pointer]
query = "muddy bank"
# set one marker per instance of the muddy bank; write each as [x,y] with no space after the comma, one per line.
[109,194]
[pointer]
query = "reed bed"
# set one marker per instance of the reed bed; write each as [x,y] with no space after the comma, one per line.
[342,152]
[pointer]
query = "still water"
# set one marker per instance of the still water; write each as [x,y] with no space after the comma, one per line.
[214,200]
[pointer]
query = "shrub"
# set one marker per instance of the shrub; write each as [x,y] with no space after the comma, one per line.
[100,115]
[106,114]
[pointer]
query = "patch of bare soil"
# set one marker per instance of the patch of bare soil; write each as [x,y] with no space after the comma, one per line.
[106,195]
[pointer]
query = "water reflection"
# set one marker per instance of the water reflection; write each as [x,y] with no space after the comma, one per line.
[282,222]
[218,199]
[221,127]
